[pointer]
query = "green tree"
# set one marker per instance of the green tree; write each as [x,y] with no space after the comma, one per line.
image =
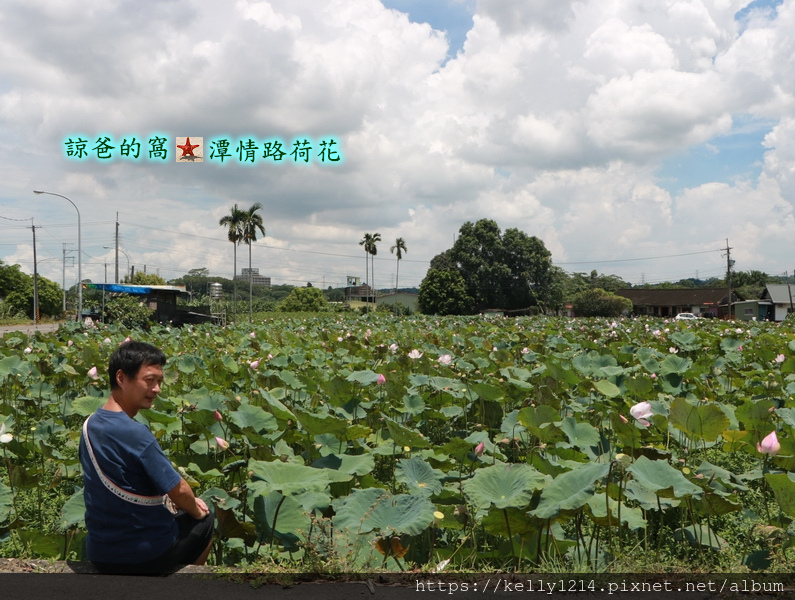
[128,311]
[444,293]
[11,278]
[305,299]
[596,302]
[400,247]
[369,242]
[252,222]
[20,300]
[510,270]
[234,224]
[141,278]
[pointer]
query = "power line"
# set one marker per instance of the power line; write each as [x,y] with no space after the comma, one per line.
[599,262]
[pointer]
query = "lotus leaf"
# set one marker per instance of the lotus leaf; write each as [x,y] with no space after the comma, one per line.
[701,535]
[503,486]
[72,512]
[571,490]
[783,486]
[631,516]
[700,422]
[659,476]
[418,476]
[377,510]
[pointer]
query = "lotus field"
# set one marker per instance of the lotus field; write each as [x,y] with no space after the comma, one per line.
[351,443]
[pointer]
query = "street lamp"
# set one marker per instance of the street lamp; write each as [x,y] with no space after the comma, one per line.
[79,254]
[125,254]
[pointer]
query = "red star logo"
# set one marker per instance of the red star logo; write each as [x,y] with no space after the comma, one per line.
[187,148]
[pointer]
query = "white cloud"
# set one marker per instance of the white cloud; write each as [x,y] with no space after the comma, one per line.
[554,118]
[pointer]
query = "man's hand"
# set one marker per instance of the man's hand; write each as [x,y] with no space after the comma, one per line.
[184,498]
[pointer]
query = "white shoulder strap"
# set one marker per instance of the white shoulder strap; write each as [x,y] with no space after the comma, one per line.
[115,489]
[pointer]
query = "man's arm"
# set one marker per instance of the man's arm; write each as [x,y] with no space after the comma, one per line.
[183,497]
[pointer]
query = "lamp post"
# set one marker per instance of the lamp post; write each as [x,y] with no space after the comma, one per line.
[125,254]
[79,254]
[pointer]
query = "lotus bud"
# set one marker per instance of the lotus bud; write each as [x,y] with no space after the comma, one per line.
[222,443]
[769,445]
[217,416]
[480,448]
[92,372]
[381,379]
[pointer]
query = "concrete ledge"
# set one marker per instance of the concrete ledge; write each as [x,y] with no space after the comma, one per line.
[17,565]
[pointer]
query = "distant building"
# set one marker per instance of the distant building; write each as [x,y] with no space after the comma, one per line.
[256,278]
[669,302]
[774,305]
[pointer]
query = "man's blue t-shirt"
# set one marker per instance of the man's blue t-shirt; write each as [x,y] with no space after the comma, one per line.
[129,455]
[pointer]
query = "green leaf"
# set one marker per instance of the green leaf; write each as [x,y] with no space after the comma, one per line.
[72,513]
[255,417]
[289,479]
[570,491]
[419,476]
[630,515]
[702,422]
[85,406]
[287,515]
[374,509]
[658,476]
[606,388]
[363,378]
[230,364]
[784,489]
[315,423]
[403,436]
[6,501]
[701,535]
[503,486]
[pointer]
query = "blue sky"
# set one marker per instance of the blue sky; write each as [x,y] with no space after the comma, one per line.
[610,130]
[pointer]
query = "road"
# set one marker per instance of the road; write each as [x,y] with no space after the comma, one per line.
[28,329]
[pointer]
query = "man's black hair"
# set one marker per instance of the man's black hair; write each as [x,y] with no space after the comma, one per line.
[130,357]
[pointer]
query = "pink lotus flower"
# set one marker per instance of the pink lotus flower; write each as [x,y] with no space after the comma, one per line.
[254,364]
[480,448]
[654,375]
[642,411]
[218,416]
[381,379]
[445,359]
[252,334]
[780,358]
[28,350]
[222,443]
[4,437]
[127,339]
[69,343]
[92,372]
[415,354]
[769,445]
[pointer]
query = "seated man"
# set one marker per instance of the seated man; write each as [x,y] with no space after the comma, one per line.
[130,485]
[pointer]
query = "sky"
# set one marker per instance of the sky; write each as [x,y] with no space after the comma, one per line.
[634,137]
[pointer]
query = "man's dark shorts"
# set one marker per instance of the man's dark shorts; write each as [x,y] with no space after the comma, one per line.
[193,538]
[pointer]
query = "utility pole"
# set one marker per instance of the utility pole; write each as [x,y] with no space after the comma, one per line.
[729,264]
[35,278]
[117,248]
[63,277]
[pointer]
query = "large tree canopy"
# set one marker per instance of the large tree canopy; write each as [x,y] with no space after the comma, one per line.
[509,270]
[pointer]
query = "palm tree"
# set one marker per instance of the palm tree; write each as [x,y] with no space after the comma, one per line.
[368,241]
[251,223]
[234,222]
[400,246]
